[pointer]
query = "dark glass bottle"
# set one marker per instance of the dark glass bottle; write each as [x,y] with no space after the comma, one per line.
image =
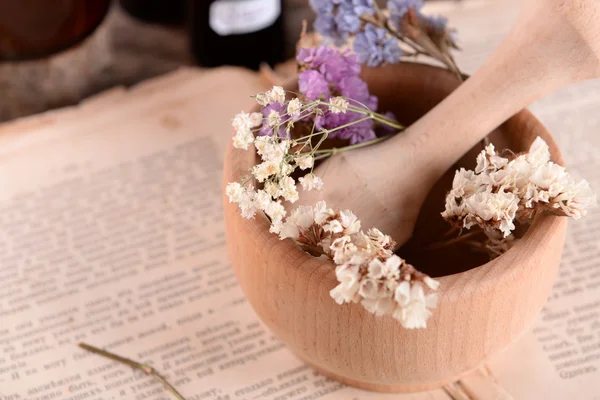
[164,12]
[236,32]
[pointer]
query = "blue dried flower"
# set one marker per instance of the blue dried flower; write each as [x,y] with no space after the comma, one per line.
[337,19]
[322,6]
[398,8]
[438,22]
[346,19]
[374,47]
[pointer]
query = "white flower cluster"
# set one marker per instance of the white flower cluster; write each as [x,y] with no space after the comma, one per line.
[368,271]
[279,160]
[275,95]
[243,123]
[274,173]
[503,190]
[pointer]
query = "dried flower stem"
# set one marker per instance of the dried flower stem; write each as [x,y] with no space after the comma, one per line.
[320,154]
[148,370]
[421,45]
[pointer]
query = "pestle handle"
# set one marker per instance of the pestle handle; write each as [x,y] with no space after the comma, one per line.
[554,43]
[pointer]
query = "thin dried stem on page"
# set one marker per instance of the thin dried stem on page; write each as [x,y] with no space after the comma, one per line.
[148,370]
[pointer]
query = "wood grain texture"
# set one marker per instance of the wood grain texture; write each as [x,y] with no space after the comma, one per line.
[481,310]
[554,43]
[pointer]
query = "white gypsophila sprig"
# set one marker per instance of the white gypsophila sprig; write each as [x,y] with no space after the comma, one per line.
[294,107]
[367,270]
[502,190]
[338,105]
[243,123]
[275,95]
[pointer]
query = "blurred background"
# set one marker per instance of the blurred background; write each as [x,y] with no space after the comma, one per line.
[55,53]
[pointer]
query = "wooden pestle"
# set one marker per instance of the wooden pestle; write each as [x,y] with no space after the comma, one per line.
[553,43]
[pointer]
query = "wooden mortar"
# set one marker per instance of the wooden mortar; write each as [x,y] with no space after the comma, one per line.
[481,309]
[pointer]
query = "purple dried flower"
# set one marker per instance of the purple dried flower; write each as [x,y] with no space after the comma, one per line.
[332,63]
[313,84]
[330,72]
[356,89]
[358,134]
[374,47]
[386,128]
[339,66]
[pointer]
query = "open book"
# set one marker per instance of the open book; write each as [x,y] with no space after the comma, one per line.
[112,234]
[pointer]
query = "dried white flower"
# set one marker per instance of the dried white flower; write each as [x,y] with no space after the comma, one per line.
[299,220]
[272,189]
[349,221]
[322,213]
[260,142]
[241,121]
[575,199]
[274,118]
[276,212]
[262,199]
[488,160]
[294,107]
[311,182]
[382,242]
[270,150]
[241,140]
[246,204]
[502,190]
[288,189]
[234,191]
[243,137]
[368,289]
[384,269]
[548,175]
[276,95]
[305,161]
[539,152]
[265,169]
[262,99]
[498,208]
[256,119]
[338,105]
[333,226]
[414,308]
[343,250]
[243,197]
